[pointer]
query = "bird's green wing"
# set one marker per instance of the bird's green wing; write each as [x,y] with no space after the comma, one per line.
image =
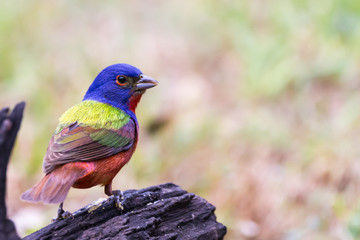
[89,141]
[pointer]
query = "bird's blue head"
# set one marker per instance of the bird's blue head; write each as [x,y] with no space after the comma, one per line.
[120,85]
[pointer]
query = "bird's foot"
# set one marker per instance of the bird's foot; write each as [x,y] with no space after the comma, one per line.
[61,214]
[118,195]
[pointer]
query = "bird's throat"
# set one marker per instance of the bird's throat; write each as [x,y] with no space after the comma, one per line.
[134,100]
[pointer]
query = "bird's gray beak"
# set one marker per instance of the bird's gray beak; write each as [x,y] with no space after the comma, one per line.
[145,82]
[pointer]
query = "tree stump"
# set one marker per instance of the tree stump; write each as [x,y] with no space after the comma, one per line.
[9,127]
[158,212]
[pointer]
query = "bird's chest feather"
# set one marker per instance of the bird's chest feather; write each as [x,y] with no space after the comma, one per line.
[104,170]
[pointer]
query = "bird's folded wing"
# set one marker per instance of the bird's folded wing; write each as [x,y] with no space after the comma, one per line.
[83,143]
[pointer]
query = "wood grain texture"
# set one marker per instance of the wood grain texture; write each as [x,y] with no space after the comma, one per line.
[158,212]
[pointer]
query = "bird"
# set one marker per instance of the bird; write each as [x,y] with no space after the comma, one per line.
[95,138]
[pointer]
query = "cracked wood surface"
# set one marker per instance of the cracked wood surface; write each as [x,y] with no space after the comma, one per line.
[158,212]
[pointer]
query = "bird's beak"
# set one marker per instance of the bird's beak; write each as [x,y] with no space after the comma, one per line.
[145,82]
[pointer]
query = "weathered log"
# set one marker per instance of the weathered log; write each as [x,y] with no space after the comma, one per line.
[9,127]
[158,212]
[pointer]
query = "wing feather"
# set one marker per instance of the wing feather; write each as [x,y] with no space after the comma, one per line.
[77,142]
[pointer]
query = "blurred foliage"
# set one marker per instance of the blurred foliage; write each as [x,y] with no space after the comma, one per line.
[354,225]
[257,109]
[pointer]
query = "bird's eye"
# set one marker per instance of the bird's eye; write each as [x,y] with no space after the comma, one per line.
[121,80]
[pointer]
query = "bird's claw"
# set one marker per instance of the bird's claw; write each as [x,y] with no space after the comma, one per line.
[61,214]
[118,195]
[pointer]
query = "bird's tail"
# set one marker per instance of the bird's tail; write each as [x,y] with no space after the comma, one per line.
[52,188]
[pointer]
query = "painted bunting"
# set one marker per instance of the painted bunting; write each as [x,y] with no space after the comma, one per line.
[95,138]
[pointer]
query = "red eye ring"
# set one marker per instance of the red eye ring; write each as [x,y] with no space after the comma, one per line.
[121,80]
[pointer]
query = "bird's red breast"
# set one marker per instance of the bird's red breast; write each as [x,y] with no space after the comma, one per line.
[99,172]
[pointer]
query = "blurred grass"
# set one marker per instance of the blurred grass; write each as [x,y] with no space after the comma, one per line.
[257,107]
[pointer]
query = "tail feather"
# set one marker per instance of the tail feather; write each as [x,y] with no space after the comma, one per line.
[53,187]
[34,194]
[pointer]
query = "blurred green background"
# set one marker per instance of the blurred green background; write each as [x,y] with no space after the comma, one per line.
[257,110]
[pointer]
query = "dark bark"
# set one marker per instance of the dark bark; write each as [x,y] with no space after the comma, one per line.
[158,212]
[9,126]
